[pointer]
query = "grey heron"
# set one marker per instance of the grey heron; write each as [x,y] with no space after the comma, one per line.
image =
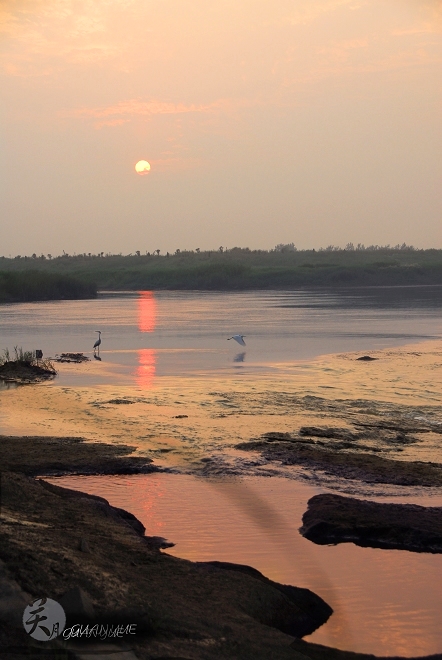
[98,342]
[238,338]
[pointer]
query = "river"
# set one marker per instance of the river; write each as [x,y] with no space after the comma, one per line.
[193,394]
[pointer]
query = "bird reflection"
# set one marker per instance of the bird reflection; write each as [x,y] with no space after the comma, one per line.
[240,357]
[97,357]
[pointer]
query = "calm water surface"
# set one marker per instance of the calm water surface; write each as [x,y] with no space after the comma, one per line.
[385,602]
[173,333]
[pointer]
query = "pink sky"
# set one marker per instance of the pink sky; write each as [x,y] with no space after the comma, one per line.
[308,121]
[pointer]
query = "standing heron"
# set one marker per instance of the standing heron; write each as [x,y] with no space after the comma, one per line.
[98,342]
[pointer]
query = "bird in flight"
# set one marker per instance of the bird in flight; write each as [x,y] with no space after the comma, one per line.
[98,342]
[238,338]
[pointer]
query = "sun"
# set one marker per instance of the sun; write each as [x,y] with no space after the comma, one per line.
[142,167]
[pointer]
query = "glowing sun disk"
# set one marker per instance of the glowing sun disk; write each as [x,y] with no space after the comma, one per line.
[142,167]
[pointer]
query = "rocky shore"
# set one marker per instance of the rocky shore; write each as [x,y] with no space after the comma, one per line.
[332,519]
[349,454]
[97,561]
[36,455]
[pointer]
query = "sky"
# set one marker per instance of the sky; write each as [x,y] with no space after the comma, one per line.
[315,122]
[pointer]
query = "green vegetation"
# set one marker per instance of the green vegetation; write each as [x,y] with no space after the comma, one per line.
[233,269]
[29,285]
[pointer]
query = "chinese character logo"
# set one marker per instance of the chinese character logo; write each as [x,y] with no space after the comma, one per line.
[44,619]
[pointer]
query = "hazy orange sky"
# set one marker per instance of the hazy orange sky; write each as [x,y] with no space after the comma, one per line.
[309,121]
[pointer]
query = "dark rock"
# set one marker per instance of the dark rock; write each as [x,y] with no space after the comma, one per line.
[181,416]
[13,599]
[326,432]
[347,464]
[132,520]
[332,519]
[275,435]
[367,358]
[308,610]
[76,603]
[37,455]
[68,493]
[158,542]
[83,546]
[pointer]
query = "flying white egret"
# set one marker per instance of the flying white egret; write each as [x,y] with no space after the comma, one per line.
[238,338]
[98,342]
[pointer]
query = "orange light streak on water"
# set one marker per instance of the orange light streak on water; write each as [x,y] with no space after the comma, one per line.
[147,311]
[147,316]
[145,373]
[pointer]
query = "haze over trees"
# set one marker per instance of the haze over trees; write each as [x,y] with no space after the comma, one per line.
[29,285]
[235,268]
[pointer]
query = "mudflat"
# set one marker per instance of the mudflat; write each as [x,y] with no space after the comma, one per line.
[35,455]
[343,455]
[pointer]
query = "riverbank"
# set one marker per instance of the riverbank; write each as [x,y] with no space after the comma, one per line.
[181,609]
[386,410]
[56,542]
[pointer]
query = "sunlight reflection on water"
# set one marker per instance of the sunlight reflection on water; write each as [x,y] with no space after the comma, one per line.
[186,332]
[385,602]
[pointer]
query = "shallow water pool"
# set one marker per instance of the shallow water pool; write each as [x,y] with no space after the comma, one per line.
[386,602]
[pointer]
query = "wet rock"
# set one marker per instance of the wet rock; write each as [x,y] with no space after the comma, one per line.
[402,439]
[271,436]
[347,464]
[326,432]
[36,455]
[332,519]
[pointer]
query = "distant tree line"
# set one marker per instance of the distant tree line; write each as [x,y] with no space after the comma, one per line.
[31,285]
[281,247]
[237,268]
